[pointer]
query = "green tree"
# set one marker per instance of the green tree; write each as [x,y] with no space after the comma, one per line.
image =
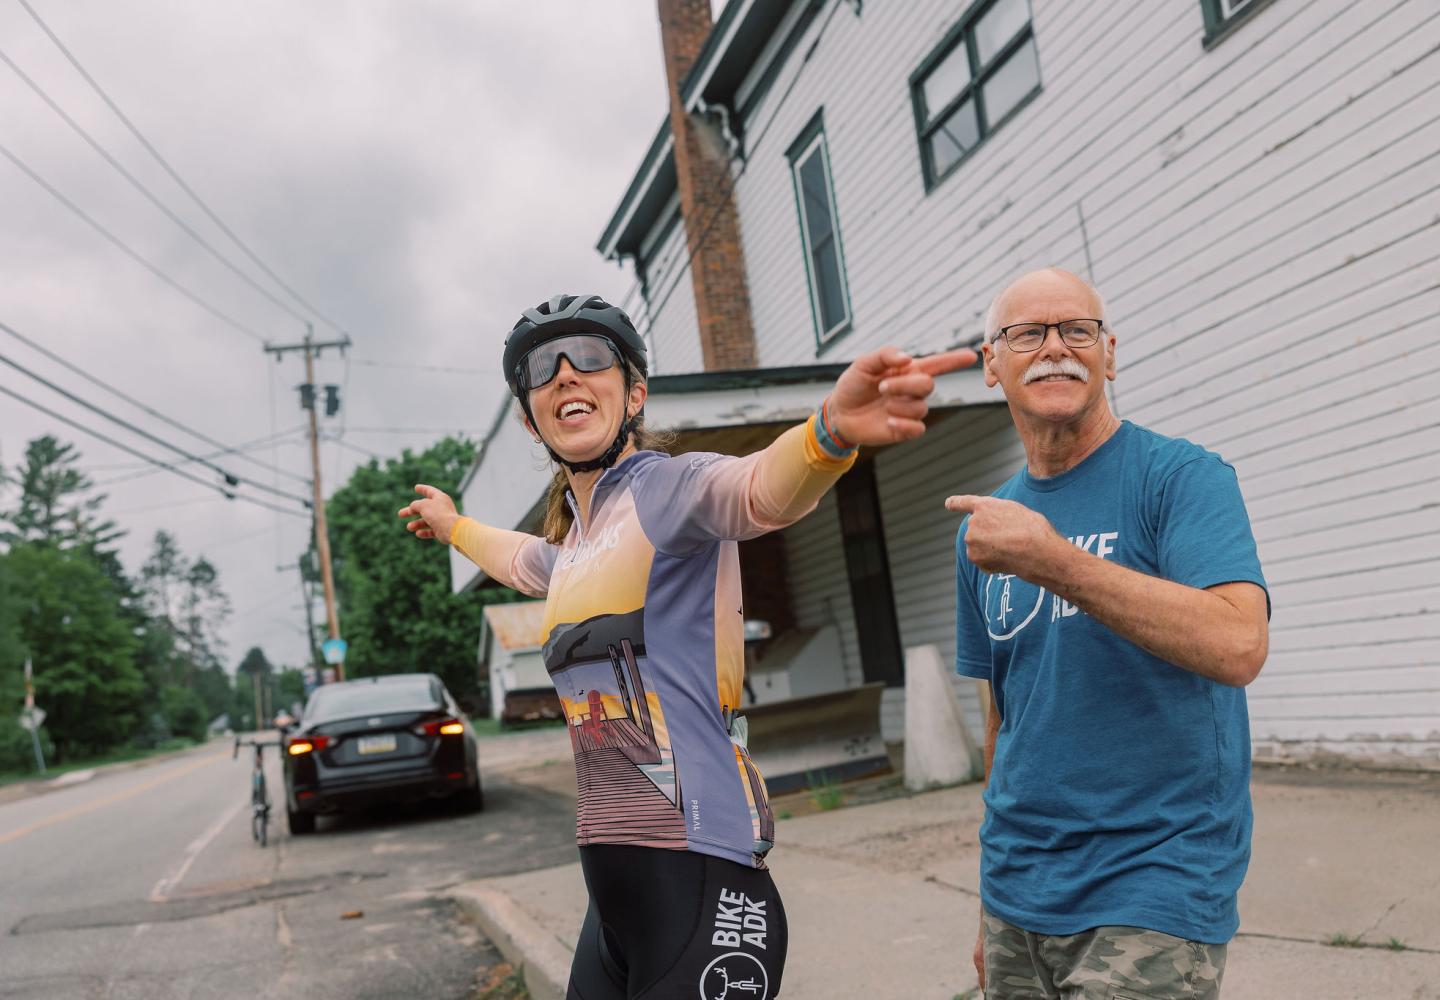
[53,503]
[253,673]
[397,610]
[83,647]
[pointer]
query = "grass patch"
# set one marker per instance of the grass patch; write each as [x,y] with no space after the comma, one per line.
[121,756]
[1344,941]
[503,983]
[825,791]
[1395,944]
[970,994]
[487,726]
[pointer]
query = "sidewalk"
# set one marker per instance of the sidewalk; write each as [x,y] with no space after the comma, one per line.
[882,902]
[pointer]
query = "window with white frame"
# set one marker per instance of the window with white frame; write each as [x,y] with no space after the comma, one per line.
[981,73]
[809,159]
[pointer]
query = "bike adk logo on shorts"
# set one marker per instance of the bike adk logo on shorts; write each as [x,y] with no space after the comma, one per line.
[737,975]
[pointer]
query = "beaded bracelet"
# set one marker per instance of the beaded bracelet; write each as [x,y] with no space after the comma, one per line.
[825,434]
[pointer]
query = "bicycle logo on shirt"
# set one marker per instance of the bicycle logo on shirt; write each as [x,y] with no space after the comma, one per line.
[1010,604]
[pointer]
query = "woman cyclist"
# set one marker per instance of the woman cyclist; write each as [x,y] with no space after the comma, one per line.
[644,640]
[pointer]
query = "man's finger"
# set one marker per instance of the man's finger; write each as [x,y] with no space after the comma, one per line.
[963,503]
[948,361]
[428,492]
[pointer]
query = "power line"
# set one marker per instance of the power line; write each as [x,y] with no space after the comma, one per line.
[230,477]
[144,472]
[125,248]
[356,448]
[155,461]
[148,194]
[174,175]
[101,383]
[426,368]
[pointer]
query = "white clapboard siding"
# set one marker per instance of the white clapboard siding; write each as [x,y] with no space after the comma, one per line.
[819,583]
[1264,220]
[973,450]
[673,340]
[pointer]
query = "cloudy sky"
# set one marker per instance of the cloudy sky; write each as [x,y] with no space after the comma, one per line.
[419,172]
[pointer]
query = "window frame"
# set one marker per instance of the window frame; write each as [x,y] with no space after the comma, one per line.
[1219,24]
[812,138]
[962,34]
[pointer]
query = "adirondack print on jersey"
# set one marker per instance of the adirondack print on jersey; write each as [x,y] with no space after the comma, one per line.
[625,769]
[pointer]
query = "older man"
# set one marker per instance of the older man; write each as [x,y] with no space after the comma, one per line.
[1111,595]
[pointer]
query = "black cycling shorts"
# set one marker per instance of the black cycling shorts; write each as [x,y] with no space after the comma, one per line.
[676,925]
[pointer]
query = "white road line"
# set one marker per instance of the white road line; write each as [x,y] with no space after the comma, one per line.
[163,888]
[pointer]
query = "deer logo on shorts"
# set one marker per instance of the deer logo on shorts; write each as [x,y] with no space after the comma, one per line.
[734,976]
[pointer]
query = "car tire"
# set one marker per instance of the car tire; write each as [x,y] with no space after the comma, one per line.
[301,823]
[471,799]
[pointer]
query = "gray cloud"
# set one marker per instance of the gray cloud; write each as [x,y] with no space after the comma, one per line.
[419,171]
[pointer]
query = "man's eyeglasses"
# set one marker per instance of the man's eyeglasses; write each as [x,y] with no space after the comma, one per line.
[1026,337]
[585,352]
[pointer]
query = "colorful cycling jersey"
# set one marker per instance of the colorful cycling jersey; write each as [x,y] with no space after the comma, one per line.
[645,637]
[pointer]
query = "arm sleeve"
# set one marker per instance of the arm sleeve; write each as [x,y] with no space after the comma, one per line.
[1202,528]
[513,558]
[686,501]
[972,639]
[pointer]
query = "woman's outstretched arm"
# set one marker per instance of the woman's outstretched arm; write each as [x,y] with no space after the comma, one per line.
[513,558]
[878,399]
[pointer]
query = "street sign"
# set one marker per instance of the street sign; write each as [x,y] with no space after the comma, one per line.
[334,651]
[32,718]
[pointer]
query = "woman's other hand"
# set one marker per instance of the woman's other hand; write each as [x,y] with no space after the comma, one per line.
[434,515]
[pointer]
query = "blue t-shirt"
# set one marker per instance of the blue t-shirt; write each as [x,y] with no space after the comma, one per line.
[1120,792]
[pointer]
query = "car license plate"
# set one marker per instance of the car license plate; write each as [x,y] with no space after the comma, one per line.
[376,744]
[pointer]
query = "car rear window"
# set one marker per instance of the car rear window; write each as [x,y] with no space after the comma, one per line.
[342,702]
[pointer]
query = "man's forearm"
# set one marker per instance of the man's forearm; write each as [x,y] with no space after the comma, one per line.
[1219,637]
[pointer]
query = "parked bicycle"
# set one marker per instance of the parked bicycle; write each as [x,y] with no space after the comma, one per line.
[259,795]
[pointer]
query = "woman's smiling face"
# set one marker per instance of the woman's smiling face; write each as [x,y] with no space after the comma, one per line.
[578,414]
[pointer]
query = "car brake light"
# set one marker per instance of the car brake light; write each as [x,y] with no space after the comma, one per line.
[305,744]
[443,727]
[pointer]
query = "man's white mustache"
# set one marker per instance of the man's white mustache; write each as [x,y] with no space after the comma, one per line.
[1065,366]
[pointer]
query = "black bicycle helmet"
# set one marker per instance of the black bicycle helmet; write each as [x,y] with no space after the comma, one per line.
[562,316]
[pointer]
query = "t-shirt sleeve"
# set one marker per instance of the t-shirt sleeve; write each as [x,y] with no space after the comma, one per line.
[1202,527]
[685,501]
[972,640]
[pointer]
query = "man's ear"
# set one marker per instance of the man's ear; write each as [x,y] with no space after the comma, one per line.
[992,372]
[1110,356]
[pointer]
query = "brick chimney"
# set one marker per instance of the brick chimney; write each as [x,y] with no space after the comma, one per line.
[712,226]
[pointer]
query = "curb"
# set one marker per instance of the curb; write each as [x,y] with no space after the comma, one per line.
[543,961]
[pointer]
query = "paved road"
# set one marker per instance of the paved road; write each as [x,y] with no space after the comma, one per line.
[143,883]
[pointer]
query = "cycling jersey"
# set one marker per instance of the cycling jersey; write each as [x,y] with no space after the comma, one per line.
[645,637]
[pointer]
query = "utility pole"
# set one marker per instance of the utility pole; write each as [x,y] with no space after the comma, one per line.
[32,717]
[307,400]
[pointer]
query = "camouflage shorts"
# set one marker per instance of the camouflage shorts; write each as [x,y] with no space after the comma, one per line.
[1105,963]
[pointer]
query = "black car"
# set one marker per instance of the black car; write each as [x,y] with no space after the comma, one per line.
[396,738]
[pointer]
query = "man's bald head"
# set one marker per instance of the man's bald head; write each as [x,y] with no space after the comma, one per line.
[1032,291]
